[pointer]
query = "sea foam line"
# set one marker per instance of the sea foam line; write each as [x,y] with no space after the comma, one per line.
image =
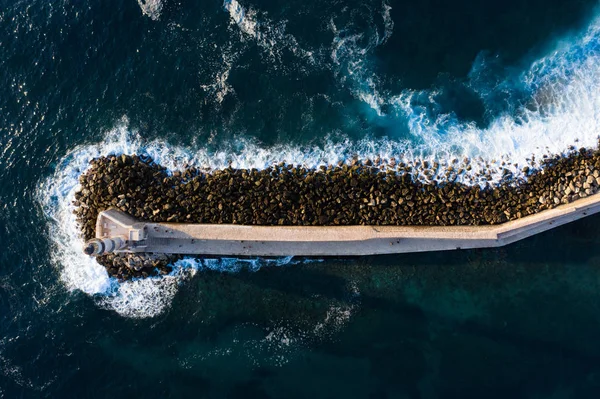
[151,8]
[563,108]
[567,113]
[271,36]
[152,296]
[137,298]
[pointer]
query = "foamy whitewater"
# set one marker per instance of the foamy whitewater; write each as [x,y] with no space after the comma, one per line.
[137,298]
[151,8]
[269,35]
[563,110]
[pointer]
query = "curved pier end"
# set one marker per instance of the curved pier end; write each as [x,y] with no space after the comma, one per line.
[244,240]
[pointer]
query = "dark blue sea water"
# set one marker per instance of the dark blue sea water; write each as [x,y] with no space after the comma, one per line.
[253,82]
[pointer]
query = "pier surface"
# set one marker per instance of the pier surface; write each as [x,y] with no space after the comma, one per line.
[241,240]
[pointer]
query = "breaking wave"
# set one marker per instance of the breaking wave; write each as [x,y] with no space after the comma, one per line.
[561,109]
[151,8]
[137,298]
[554,104]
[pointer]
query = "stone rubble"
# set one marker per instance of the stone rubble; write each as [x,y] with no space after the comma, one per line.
[358,193]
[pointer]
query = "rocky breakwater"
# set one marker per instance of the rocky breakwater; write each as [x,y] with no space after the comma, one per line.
[357,193]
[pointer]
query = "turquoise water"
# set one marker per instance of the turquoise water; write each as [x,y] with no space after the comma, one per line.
[251,83]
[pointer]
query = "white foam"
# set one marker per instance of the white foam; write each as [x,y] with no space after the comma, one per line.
[270,35]
[151,8]
[564,110]
[147,297]
[137,298]
[56,195]
[245,20]
[219,88]
[150,297]
[388,22]
[349,55]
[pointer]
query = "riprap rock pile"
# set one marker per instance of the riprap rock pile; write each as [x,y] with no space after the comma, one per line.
[358,193]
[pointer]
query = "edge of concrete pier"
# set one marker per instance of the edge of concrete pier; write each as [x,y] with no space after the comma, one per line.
[117,232]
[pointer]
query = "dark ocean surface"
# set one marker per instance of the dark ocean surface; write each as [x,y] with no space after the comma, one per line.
[252,82]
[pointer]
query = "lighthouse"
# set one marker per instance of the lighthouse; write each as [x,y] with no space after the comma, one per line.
[116,231]
[101,246]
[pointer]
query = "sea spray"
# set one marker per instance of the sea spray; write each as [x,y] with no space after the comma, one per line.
[564,91]
[269,35]
[151,8]
[555,101]
[80,272]
[137,298]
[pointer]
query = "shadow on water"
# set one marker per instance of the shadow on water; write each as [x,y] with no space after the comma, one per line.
[492,322]
[555,260]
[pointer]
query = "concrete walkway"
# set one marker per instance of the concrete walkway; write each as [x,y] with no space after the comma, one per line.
[237,240]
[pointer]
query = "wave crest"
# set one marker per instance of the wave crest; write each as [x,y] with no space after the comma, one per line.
[562,109]
[151,8]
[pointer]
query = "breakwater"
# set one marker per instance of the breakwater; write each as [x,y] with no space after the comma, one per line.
[358,193]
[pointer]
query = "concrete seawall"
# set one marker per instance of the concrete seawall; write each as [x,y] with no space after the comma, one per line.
[240,240]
